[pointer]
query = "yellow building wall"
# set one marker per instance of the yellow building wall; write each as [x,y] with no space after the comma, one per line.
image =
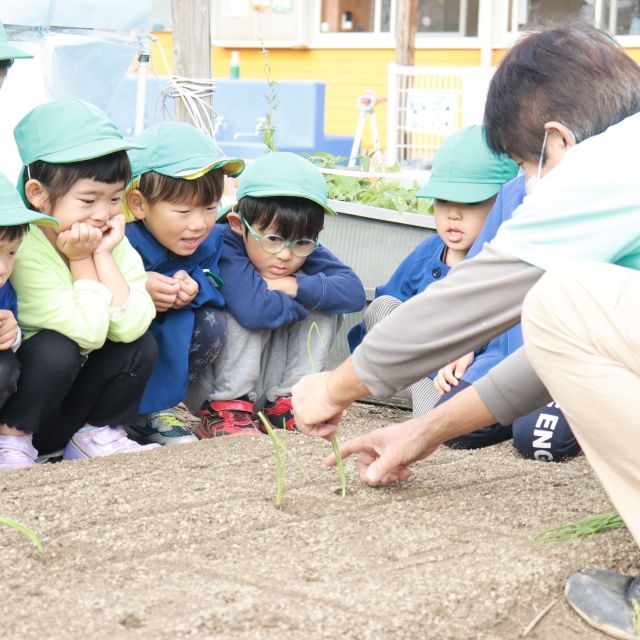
[347,73]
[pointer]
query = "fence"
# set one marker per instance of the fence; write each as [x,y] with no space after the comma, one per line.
[426,104]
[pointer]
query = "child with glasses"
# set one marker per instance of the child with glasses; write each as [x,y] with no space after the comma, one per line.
[172,198]
[284,294]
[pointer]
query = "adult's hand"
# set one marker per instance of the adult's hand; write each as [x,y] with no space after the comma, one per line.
[384,455]
[319,399]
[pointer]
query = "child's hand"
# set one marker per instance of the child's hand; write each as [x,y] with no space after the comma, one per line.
[8,329]
[80,241]
[163,290]
[188,289]
[288,285]
[113,235]
[451,374]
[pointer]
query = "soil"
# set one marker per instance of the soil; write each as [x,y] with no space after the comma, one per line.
[186,542]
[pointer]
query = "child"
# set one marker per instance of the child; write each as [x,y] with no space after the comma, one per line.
[84,308]
[14,221]
[465,172]
[8,53]
[177,181]
[284,296]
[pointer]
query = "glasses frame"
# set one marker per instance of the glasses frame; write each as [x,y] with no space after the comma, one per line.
[286,244]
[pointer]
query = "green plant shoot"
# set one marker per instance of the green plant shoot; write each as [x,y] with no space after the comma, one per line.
[588,526]
[334,440]
[25,530]
[268,128]
[280,465]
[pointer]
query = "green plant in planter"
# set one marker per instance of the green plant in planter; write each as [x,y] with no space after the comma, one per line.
[25,530]
[384,192]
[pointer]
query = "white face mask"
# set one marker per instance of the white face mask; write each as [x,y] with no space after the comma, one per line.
[534,181]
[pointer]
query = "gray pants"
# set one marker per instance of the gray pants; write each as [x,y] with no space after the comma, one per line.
[264,365]
[423,394]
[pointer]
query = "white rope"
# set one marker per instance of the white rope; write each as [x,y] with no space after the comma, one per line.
[196,95]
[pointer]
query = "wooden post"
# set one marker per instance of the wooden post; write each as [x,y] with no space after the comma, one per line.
[191,21]
[406,26]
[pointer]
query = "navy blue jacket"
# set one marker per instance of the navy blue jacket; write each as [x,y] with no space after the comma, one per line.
[424,266]
[173,329]
[8,299]
[326,285]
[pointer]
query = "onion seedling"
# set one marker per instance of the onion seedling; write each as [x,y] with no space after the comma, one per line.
[588,526]
[334,440]
[23,529]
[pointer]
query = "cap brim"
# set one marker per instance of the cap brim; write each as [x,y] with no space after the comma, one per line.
[9,52]
[13,217]
[222,214]
[464,192]
[90,150]
[232,167]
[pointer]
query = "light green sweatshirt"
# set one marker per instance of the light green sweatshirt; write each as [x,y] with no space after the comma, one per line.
[48,297]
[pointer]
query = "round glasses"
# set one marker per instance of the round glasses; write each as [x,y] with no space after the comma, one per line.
[273,243]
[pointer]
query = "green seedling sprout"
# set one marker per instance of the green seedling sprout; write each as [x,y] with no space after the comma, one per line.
[587,527]
[334,440]
[281,467]
[25,530]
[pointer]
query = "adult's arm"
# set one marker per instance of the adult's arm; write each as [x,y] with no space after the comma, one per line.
[512,389]
[479,299]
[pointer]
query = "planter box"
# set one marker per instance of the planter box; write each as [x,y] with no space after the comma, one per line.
[373,242]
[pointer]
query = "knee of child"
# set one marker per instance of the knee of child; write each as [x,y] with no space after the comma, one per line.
[9,373]
[58,352]
[380,308]
[544,435]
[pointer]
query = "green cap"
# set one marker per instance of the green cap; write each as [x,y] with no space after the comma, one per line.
[280,173]
[13,211]
[179,150]
[66,131]
[8,51]
[466,170]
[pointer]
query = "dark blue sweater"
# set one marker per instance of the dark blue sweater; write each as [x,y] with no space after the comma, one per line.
[327,285]
[173,329]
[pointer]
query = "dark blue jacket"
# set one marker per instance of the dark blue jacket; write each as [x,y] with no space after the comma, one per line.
[8,299]
[327,285]
[424,266]
[173,329]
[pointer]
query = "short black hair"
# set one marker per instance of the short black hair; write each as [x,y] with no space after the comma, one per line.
[5,64]
[13,232]
[292,218]
[200,192]
[58,178]
[577,75]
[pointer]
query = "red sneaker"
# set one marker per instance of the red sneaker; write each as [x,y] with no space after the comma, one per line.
[279,414]
[226,418]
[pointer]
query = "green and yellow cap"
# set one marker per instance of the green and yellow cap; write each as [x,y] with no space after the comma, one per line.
[179,150]
[13,210]
[8,51]
[66,131]
[281,173]
[465,169]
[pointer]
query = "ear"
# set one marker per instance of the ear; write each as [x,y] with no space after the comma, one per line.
[37,195]
[560,134]
[137,204]
[235,223]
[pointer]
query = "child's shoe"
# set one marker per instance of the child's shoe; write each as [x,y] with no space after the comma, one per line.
[16,452]
[226,418]
[279,414]
[162,427]
[96,442]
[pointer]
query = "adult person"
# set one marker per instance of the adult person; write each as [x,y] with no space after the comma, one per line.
[8,53]
[562,105]
[602,342]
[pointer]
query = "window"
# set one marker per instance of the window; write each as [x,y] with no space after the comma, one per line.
[621,17]
[459,17]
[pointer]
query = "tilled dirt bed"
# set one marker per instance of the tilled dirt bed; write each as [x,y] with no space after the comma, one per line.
[185,542]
